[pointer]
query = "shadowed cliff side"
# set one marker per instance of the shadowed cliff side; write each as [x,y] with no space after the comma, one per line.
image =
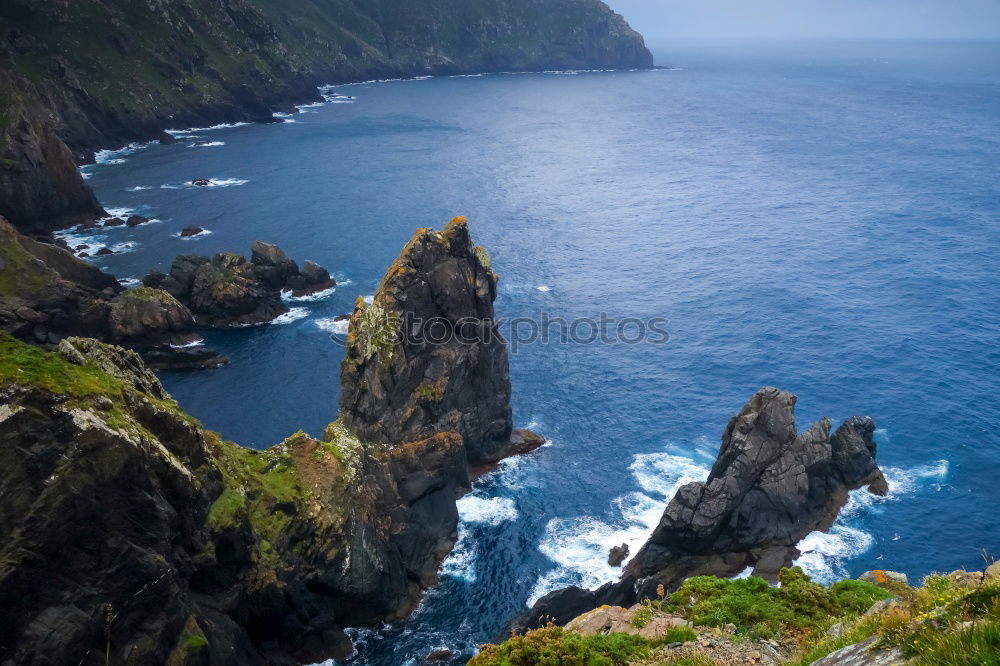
[768,489]
[95,74]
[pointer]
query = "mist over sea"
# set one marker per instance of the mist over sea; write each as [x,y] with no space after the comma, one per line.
[823,218]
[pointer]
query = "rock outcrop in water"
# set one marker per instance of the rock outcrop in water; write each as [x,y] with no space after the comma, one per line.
[78,76]
[426,356]
[128,530]
[228,290]
[767,490]
[47,294]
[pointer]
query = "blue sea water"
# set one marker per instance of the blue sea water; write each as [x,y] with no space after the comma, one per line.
[823,218]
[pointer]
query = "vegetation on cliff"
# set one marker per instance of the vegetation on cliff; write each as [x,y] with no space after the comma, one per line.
[951,620]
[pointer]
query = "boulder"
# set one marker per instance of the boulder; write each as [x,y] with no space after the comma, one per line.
[136,220]
[225,292]
[271,265]
[114,222]
[883,578]
[145,314]
[617,555]
[312,279]
[201,182]
[863,654]
[191,230]
[104,251]
[769,487]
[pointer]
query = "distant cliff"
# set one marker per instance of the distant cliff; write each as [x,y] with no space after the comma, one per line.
[77,76]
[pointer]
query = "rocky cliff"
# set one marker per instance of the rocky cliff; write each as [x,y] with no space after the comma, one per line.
[130,534]
[769,487]
[77,76]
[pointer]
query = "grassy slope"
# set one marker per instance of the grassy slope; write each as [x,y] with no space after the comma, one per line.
[950,620]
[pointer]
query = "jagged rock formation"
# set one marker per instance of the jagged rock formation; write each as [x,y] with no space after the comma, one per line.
[227,290]
[117,504]
[128,530]
[426,357]
[47,294]
[77,76]
[768,489]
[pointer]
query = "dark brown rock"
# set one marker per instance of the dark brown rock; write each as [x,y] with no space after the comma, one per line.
[114,222]
[201,182]
[104,251]
[618,555]
[191,230]
[271,265]
[136,220]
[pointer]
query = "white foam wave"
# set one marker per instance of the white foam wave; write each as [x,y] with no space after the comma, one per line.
[369,299]
[225,182]
[138,188]
[486,510]
[333,326]
[206,144]
[825,555]
[293,314]
[579,546]
[195,343]
[118,212]
[129,282]
[308,298]
[543,288]
[178,133]
[461,561]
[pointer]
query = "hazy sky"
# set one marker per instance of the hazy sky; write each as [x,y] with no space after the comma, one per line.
[664,21]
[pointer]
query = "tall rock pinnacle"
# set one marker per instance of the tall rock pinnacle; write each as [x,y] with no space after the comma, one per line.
[426,356]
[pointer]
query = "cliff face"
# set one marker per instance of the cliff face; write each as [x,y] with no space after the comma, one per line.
[127,528]
[125,524]
[102,73]
[768,489]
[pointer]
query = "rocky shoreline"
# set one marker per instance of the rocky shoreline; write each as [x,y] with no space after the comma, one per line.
[176,546]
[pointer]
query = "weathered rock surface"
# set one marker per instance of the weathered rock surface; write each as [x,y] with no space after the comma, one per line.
[617,555]
[862,654]
[228,290]
[426,356]
[196,546]
[768,489]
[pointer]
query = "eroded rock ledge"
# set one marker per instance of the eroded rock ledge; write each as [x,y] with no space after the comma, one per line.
[767,490]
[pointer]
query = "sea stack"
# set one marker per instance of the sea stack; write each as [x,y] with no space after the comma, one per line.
[768,489]
[425,356]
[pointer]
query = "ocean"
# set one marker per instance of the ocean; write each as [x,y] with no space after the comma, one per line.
[824,218]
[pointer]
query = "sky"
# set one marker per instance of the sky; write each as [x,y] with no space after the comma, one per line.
[667,21]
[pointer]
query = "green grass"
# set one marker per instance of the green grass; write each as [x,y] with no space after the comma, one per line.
[20,277]
[25,364]
[553,646]
[761,611]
